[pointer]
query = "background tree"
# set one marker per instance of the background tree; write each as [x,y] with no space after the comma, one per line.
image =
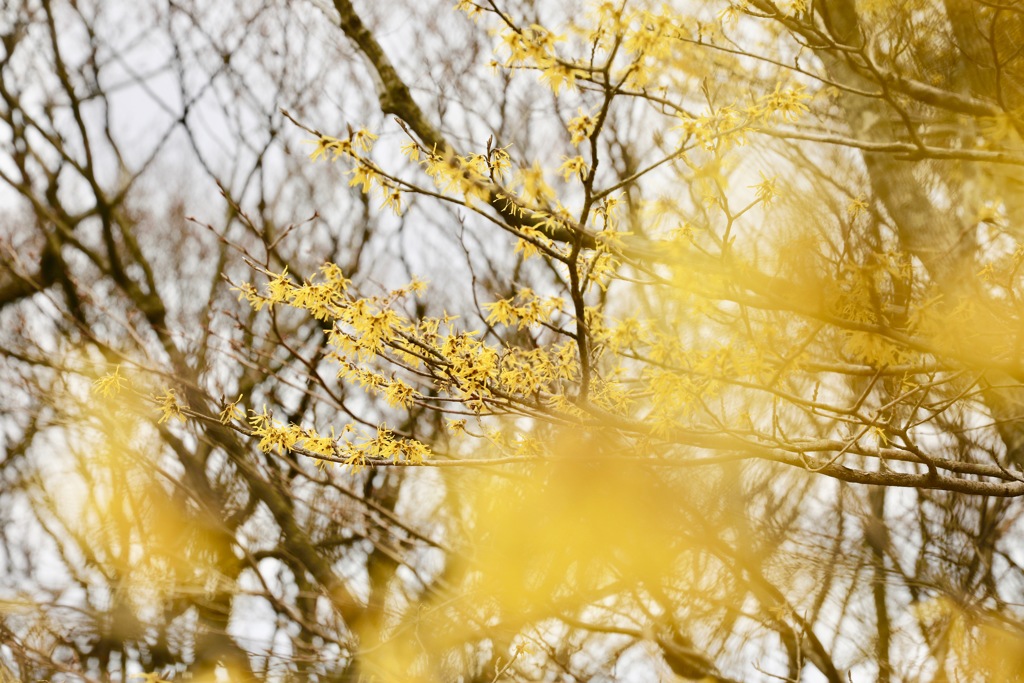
[680,338]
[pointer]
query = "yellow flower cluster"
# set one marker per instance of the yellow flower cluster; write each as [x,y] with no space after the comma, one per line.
[525,309]
[326,146]
[364,173]
[382,445]
[485,378]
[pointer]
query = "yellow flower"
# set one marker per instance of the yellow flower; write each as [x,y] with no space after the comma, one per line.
[324,145]
[232,411]
[573,166]
[169,407]
[150,677]
[110,384]
[321,445]
[766,190]
[581,127]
